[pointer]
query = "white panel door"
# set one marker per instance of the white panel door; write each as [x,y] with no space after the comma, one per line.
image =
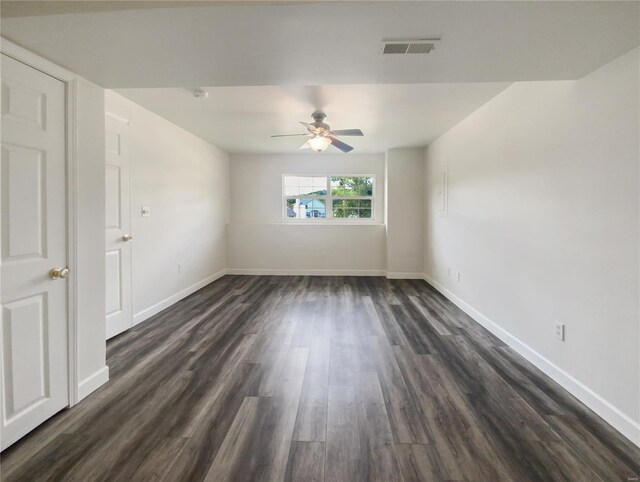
[118,227]
[33,332]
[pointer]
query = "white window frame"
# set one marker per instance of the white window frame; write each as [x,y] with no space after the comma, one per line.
[328,198]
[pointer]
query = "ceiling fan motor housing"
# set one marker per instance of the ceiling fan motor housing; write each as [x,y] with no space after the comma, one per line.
[318,117]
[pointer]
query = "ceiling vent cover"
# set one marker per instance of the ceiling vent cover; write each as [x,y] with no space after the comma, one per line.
[401,47]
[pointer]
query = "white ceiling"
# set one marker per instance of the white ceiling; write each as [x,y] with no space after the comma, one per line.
[242,119]
[326,43]
[260,59]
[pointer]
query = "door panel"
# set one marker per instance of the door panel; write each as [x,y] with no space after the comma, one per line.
[23,184]
[24,105]
[112,191]
[33,332]
[24,325]
[114,284]
[117,224]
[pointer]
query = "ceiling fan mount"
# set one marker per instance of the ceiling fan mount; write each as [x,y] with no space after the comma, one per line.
[318,117]
[321,136]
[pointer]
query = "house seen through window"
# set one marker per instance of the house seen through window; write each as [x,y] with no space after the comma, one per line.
[328,197]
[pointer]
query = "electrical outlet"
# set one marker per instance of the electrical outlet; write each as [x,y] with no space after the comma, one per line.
[146,211]
[458,276]
[559,331]
[179,268]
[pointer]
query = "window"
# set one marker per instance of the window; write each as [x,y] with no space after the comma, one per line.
[328,197]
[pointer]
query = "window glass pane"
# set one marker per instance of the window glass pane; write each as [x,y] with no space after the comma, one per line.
[311,191]
[291,190]
[351,186]
[352,208]
[305,186]
[320,183]
[316,181]
[352,203]
[295,209]
[306,208]
[314,208]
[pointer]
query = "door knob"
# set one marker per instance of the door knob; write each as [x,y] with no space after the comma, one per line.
[127,237]
[61,273]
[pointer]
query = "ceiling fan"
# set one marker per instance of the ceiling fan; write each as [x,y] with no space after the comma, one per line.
[321,136]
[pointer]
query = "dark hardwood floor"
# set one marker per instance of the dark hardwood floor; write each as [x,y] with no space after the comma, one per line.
[320,378]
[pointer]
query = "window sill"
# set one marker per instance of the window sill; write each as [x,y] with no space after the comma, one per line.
[331,223]
[307,223]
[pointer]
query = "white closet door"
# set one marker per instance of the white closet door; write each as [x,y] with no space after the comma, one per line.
[33,334]
[118,236]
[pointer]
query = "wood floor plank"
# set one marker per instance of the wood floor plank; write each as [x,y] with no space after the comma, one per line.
[389,324]
[342,345]
[416,463]
[129,447]
[305,319]
[564,465]
[160,458]
[405,417]
[210,426]
[306,462]
[416,339]
[343,460]
[547,398]
[379,458]
[595,455]
[432,317]
[320,378]
[227,463]
[460,448]
[311,421]
[257,444]
[25,450]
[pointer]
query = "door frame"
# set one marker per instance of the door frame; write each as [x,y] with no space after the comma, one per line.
[70,81]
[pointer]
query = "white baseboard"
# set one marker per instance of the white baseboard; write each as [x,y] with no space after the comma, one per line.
[93,382]
[612,415]
[398,275]
[308,272]
[167,302]
[326,272]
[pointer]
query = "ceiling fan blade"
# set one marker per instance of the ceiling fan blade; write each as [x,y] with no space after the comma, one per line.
[290,135]
[305,146]
[310,127]
[347,132]
[341,145]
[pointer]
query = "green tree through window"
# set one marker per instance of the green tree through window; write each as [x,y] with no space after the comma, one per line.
[350,195]
[351,186]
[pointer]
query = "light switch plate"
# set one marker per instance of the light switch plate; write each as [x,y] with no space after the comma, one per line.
[146,211]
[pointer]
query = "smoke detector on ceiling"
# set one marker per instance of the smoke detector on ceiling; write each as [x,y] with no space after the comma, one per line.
[200,93]
[402,47]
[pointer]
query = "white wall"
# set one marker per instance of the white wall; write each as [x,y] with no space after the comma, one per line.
[543,224]
[260,241]
[90,276]
[405,212]
[185,182]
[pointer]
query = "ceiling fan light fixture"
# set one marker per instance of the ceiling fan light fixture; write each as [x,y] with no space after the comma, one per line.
[319,143]
[321,136]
